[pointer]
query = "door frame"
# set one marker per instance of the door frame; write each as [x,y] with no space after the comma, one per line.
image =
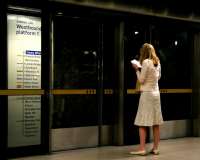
[3,81]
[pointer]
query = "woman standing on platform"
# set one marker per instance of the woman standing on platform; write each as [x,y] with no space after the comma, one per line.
[149,110]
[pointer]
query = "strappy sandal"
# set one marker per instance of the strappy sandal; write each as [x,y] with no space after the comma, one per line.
[155,151]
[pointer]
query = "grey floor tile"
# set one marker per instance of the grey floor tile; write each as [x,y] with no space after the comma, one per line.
[172,149]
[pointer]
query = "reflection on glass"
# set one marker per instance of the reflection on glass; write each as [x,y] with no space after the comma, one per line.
[173,48]
[135,36]
[74,111]
[108,109]
[76,49]
[75,67]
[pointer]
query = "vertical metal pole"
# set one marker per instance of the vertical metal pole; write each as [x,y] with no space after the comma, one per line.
[196,86]
[45,108]
[119,84]
[51,96]
[100,85]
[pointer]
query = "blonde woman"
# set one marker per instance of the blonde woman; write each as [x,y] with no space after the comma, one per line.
[149,110]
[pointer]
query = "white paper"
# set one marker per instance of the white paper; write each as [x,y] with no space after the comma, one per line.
[134,61]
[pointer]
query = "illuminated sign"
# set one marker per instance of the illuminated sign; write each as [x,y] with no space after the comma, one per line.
[24,72]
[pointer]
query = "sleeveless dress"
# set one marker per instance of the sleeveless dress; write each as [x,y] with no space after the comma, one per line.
[149,109]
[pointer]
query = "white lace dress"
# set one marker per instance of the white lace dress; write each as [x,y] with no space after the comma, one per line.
[149,109]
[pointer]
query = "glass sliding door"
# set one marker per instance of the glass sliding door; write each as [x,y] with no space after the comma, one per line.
[173,44]
[82,90]
[75,83]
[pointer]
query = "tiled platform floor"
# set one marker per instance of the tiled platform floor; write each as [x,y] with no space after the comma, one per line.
[173,149]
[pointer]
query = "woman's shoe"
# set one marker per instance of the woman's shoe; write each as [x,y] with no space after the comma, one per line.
[155,151]
[141,153]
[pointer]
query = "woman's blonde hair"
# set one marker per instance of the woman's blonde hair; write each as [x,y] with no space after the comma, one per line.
[147,51]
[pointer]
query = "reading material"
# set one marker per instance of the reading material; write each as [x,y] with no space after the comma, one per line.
[134,61]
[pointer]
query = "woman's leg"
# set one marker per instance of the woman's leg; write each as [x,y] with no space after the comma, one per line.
[142,133]
[156,136]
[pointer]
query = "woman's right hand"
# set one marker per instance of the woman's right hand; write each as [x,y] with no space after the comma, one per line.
[135,67]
